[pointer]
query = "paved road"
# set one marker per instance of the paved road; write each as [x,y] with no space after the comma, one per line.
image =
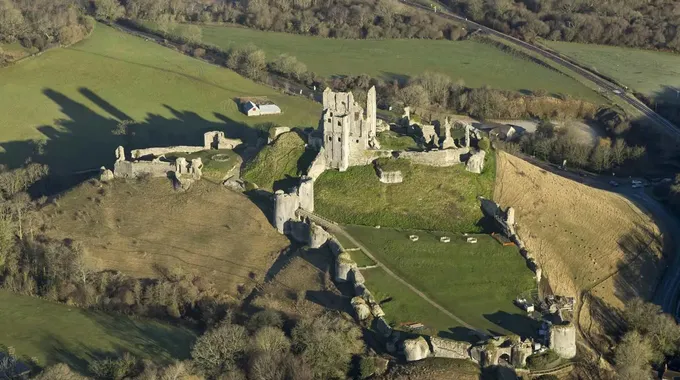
[601,82]
[338,230]
[668,289]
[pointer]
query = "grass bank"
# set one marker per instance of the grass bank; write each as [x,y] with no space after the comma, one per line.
[477,282]
[73,98]
[52,333]
[474,62]
[429,198]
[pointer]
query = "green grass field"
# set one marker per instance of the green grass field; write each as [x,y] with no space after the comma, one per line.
[652,73]
[430,198]
[74,97]
[279,165]
[477,282]
[474,62]
[53,333]
[395,141]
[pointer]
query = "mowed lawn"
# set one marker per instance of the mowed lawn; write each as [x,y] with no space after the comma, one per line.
[653,73]
[53,333]
[75,97]
[476,282]
[429,198]
[474,62]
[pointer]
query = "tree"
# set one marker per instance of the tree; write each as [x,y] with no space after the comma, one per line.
[191,34]
[659,328]
[437,86]
[12,21]
[327,343]
[632,356]
[271,339]
[108,10]
[59,371]
[219,349]
[414,95]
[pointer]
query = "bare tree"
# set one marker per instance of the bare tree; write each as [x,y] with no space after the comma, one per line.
[632,356]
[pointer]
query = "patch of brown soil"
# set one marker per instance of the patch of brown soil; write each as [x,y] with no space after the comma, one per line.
[581,236]
[134,226]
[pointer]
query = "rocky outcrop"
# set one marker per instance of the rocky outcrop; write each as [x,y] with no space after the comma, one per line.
[105,175]
[475,163]
[416,349]
[361,309]
[317,236]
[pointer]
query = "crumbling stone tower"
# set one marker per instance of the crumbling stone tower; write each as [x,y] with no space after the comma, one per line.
[347,132]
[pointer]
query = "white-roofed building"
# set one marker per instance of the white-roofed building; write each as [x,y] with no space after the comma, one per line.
[252,109]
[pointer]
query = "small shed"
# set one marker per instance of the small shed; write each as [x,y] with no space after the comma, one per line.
[251,108]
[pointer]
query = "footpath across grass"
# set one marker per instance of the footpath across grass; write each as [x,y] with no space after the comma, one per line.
[53,333]
[474,62]
[430,198]
[477,282]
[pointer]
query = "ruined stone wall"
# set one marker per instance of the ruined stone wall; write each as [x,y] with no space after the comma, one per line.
[441,158]
[306,193]
[394,176]
[318,165]
[128,169]
[138,153]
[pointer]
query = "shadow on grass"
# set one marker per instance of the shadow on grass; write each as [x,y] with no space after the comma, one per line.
[515,323]
[160,343]
[85,140]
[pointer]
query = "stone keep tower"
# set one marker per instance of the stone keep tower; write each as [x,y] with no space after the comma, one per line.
[346,130]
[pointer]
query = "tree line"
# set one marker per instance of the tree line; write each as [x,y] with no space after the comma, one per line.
[635,23]
[41,23]
[336,19]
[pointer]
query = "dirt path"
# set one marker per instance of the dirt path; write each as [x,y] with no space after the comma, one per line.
[336,229]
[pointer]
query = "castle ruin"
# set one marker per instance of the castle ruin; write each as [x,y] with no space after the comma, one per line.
[347,131]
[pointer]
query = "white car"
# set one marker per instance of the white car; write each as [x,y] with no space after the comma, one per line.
[617,92]
[637,185]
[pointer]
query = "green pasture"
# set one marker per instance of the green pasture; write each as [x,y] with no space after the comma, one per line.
[653,73]
[278,166]
[429,198]
[477,282]
[73,99]
[55,333]
[474,62]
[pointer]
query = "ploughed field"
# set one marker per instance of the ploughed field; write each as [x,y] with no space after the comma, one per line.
[474,62]
[74,98]
[476,282]
[55,333]
[135,225]
[653,73]
[429,198]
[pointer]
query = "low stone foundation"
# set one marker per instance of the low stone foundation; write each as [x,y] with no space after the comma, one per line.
[440,158]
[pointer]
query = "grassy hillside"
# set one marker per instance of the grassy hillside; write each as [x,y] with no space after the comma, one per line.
[477,282]
[53,333]
[429,198]
[651,72]
[74,98]
[209,230]
[279,165]
[474,62]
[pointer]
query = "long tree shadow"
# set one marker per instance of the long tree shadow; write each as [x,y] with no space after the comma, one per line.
[640,263]
[85,140]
